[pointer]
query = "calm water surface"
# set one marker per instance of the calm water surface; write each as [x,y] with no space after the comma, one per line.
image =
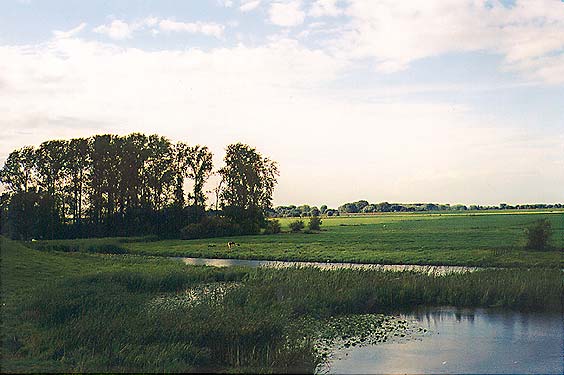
[464,341]
[321,265]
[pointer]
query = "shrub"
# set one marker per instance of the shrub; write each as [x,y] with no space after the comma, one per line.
[314,223]
[214,226]
[296,226]
[538,234]
[106,248]
[272,227]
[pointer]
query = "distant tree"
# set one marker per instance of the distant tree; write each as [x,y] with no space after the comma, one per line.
[315,211]
[369,209]
[323,209]
[538,234]
[314,223]
[360,205]
[349,208]
[296,226]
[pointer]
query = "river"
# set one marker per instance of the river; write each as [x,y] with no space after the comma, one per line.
[464,341]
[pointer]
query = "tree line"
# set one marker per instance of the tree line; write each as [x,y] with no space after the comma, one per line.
[363,206]
[110,185]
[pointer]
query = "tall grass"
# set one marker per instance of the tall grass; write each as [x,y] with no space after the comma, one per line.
[103,323]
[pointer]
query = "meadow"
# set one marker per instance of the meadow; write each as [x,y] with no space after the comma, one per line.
[93,312]
[493,239]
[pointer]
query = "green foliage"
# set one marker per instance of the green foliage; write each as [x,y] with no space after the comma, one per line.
[538,235]
[248,179]
[314,223]
[272,227]
[296,226]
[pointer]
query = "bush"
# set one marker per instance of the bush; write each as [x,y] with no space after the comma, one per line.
[272,227]
[296,226]
[214,226]
[538,234]
[314,223]
[106,248]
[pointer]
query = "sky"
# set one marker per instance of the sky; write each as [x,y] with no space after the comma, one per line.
[446,101]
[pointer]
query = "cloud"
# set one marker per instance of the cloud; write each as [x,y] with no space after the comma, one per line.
[70,33]
[117,30]
[325,8]
[396,33]
[272,96]
[286,14]
[248,5]
[206,28]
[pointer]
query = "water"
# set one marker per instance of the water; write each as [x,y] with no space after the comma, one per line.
[464,341]
[321,265]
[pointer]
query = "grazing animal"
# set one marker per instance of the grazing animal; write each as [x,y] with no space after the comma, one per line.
[231,244]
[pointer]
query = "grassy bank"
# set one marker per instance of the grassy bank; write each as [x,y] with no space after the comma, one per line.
[104,312]
[491,239]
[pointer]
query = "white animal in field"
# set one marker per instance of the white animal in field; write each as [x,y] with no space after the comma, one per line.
[231,244]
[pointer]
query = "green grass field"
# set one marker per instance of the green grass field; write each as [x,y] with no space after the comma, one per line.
[475,239]
[81,312]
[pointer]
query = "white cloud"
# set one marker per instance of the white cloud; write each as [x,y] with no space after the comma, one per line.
[206,28]
[395,33]
[325,8]
[117,30]
[287,13]
[272,97]
[248,5]
[69,33]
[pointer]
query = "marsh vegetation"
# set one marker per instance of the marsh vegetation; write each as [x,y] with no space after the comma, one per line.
[80,311]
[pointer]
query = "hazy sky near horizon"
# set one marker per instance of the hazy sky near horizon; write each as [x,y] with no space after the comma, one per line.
[458,101]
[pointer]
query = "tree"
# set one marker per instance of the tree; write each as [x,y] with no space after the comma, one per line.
[17,172]
[77,166]
[248,183]
[200,167]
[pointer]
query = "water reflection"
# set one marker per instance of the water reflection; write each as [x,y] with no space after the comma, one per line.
[325,266]
[465,341]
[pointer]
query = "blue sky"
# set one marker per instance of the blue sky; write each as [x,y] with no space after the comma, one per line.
[445,101]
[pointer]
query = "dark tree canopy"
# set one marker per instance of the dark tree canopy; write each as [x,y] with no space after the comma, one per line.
[102,185]
[248,181]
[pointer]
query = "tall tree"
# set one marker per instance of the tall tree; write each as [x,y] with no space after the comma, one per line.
[181,162]
[200,168]
[78,164]
[159,172]
[248,179]
[18,171]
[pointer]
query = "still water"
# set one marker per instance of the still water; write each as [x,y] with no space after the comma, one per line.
[321,265]
[464,341]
